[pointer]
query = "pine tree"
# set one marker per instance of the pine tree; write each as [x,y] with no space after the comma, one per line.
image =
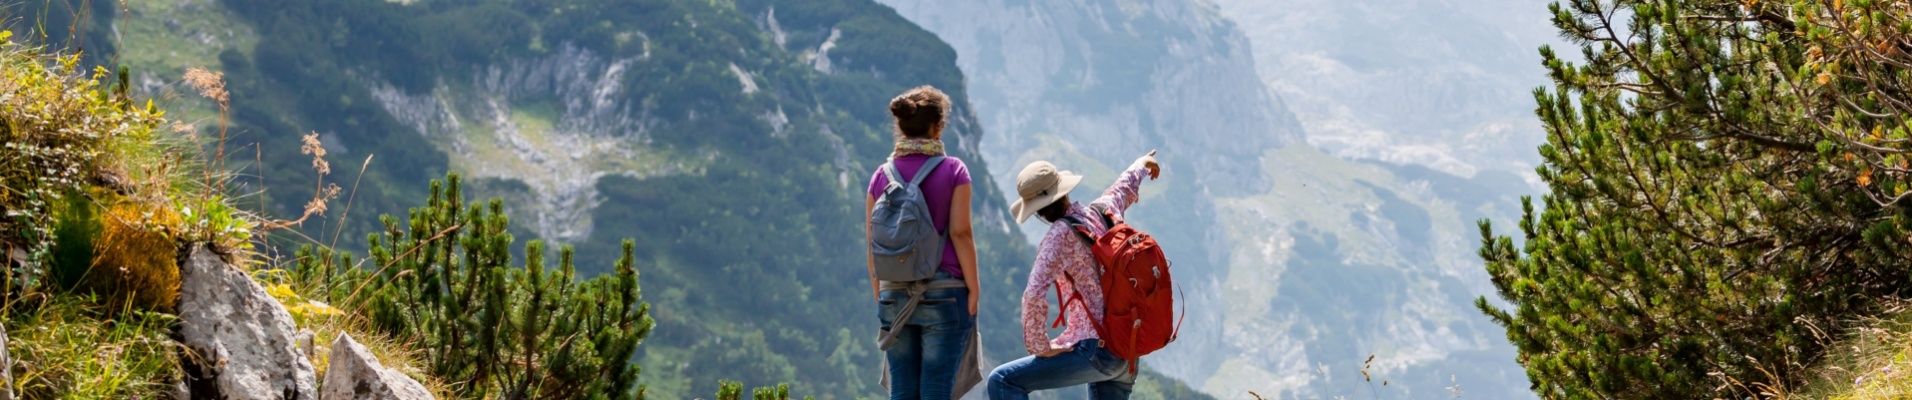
[1726,179]
[487,329]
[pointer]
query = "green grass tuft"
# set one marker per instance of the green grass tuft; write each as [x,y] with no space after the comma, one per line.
[1872,361]
[70,348]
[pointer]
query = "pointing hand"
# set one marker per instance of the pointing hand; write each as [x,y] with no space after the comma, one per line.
[1148,161]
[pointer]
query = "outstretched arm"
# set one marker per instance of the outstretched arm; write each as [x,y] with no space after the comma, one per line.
[1127,188]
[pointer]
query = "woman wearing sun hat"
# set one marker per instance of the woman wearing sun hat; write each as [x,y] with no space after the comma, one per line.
[1076,357]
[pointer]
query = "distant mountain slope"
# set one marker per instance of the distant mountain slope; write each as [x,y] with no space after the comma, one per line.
[731,139]
[1299,263]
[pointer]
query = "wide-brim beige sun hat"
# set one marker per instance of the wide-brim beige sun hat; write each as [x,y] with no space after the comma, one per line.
[1041,184]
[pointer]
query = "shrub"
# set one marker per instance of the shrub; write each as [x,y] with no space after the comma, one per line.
[444,282]
[77,225]
[53,123]
[1726,182]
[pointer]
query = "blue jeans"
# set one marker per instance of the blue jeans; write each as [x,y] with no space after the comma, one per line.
[930,345]
[1107,375]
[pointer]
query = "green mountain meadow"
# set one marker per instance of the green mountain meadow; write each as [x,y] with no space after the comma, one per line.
[729,141]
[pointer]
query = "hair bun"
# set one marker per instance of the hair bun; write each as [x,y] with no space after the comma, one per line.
[902,108]
[919,111]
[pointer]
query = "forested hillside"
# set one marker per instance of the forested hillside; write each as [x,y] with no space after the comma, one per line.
[691,127]
[731,140]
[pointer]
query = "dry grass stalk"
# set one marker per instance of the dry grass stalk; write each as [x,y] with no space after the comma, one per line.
[323,194]
[212,85]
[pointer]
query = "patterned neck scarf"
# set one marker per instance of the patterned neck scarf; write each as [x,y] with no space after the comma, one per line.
[928,147]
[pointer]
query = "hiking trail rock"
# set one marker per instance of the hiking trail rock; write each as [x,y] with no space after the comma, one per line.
[355,374]
[242,340]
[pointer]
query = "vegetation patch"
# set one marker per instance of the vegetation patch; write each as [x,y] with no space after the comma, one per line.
[71,347]
[134,259]
[445,283]
[1869,361]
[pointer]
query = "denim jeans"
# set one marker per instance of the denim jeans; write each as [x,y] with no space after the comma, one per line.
[1107,375]
[930,345]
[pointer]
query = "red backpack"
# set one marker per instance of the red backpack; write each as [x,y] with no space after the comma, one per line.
[1138,306]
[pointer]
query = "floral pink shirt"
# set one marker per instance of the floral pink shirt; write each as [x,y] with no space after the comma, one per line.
[1063,251]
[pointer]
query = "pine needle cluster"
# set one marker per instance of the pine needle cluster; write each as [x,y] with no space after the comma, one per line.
[1727,184]
[446,282]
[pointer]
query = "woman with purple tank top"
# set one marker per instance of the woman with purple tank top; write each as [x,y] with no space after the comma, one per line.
[929,346]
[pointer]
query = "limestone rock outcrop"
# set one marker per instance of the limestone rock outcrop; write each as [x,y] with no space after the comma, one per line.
[353,373]
[242,340]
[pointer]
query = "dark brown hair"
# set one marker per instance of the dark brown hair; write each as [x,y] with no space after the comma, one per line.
[1055,211]
[920,112]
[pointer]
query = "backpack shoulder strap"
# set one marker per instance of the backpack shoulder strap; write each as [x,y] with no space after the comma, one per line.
[923,173]
[889,171]
[1081,229]
[1108,217]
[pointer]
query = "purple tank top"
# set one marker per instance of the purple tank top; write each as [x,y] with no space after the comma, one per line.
[939,189]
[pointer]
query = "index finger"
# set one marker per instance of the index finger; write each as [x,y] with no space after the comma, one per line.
[1151,153]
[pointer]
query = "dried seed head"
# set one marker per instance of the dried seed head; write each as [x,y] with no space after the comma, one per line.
[315,207]
[210,84]
[310,145]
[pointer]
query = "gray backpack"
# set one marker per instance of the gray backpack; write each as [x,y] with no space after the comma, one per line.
[904,240]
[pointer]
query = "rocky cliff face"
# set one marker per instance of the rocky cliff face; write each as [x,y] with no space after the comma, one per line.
[1441,83]
[555,123]
[1299,262]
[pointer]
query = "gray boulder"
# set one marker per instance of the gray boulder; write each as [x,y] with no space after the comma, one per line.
[242,341]
[355,374]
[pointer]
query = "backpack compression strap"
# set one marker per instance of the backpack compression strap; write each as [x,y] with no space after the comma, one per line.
[1088,237]
[1075,299]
